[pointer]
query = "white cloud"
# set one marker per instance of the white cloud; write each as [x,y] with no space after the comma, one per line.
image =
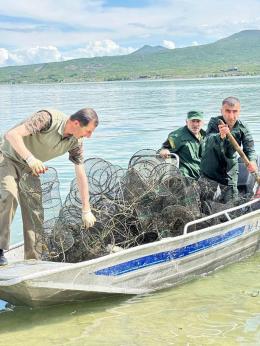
[32,55]
[168,44]
[3,56]
[62,23]
[39,54]
[194,43]
[98,48]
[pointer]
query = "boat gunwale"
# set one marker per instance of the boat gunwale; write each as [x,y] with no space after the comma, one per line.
[222,212]
[69,266]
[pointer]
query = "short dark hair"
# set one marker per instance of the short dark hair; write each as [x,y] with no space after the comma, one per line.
[85,116]
[231,101]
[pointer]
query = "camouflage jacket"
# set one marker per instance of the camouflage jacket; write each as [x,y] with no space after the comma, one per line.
[189,148]
[220,160]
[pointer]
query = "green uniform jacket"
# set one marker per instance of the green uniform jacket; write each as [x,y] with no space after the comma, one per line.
[47,144]
[220,160]
[189,149]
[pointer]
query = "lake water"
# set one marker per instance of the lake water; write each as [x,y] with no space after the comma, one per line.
[221,309]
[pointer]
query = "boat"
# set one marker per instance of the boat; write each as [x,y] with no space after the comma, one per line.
[233,234]
[138,270]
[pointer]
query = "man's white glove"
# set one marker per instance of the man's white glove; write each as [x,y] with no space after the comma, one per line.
[36,165]
[88,219]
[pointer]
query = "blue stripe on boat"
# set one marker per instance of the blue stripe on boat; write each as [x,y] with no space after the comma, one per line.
[160,257]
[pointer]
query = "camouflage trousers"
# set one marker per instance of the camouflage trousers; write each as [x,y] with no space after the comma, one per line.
[11,173]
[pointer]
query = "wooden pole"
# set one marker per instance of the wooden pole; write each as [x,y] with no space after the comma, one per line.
[239,150]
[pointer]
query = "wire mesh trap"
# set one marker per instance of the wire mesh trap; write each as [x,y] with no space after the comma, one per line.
[148,201]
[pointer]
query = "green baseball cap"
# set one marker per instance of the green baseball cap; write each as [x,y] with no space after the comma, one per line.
[195,115]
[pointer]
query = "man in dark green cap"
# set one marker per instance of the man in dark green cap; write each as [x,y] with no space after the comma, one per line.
[220,160]
[188,143]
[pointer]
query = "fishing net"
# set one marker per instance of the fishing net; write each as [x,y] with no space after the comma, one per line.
[147,201]
[44,203]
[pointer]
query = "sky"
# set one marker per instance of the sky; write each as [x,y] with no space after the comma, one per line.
[36,31]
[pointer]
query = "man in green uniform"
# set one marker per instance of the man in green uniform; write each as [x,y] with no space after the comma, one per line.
[220,160]
[188,143]
[44,135]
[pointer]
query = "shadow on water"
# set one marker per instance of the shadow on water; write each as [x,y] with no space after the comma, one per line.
[24,317]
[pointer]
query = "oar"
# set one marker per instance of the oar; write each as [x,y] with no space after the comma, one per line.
[243,156]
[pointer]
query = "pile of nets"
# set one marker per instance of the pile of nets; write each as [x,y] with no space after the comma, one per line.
[146,202]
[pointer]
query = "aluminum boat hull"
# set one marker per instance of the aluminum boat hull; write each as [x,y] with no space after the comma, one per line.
[137,270]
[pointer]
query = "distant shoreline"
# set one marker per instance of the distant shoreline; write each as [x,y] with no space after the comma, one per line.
[136,80]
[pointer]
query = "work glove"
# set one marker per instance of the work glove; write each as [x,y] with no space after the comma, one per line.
[88,219]
[36,165]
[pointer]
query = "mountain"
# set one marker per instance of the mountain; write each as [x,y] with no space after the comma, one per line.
[149,50]
[238,54]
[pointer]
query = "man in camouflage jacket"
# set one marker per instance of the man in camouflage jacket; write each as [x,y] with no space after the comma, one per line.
[220,160]
[188,143]
[26,147]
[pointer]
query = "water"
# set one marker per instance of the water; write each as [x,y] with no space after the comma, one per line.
[222,309]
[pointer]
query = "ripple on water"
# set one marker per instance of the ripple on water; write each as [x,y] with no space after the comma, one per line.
[220,309]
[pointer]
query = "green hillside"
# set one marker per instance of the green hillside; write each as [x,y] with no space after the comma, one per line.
[238,54]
